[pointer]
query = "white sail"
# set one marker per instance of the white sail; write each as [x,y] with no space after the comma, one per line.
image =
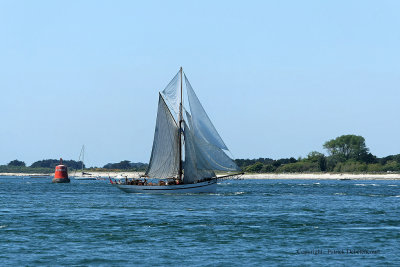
[188,119]
[204,148]
[164,161]
[196,166]
[171,94]
[202,125]
[216,158]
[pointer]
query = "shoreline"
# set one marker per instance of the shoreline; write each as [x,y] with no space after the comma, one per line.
[322,176]
[247,176]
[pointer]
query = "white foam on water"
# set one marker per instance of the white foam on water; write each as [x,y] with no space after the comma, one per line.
[373,228]
[3,226]
[367,184]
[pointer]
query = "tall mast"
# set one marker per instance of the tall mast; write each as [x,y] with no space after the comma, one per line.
[180,132]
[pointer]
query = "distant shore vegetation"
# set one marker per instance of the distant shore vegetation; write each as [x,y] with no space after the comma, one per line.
[48,166]
[346,154]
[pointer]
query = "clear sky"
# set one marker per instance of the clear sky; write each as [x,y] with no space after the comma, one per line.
[277,78]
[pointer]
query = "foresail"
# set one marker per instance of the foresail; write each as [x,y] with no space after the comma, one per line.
[196,167]
[202,124]
[188,119]
[164,161]
[215,157]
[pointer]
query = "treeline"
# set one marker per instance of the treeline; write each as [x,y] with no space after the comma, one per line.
[47,163]
[346,153]
[48,166]
[41,166]
[127,165]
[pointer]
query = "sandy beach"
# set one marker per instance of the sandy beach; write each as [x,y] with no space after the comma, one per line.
[267,176]
[323,176]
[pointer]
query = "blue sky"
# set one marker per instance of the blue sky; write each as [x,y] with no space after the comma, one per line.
[277,78]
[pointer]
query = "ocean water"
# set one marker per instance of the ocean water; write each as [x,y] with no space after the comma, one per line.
[248,222]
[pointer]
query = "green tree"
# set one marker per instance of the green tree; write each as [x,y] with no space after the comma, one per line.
[268,168]
[17,163]
[300,166]
[319,158]
[347,147]
[51,163]
[391,166]
[123,165]
[256,167]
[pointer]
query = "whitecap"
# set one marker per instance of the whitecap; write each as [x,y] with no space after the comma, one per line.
[374,228]
[3,226]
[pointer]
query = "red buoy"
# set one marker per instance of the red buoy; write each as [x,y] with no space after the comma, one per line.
[61,174]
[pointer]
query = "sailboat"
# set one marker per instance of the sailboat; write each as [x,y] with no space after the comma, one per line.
[83,175]
[183,132]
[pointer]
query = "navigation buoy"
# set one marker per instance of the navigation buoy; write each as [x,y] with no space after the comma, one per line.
[61,174]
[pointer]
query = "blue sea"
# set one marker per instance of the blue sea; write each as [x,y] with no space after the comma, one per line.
[248,222]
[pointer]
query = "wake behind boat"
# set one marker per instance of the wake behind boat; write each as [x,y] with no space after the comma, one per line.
[182,132]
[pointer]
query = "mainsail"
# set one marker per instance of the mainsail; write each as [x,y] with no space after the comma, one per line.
[164,155]
[204,148]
